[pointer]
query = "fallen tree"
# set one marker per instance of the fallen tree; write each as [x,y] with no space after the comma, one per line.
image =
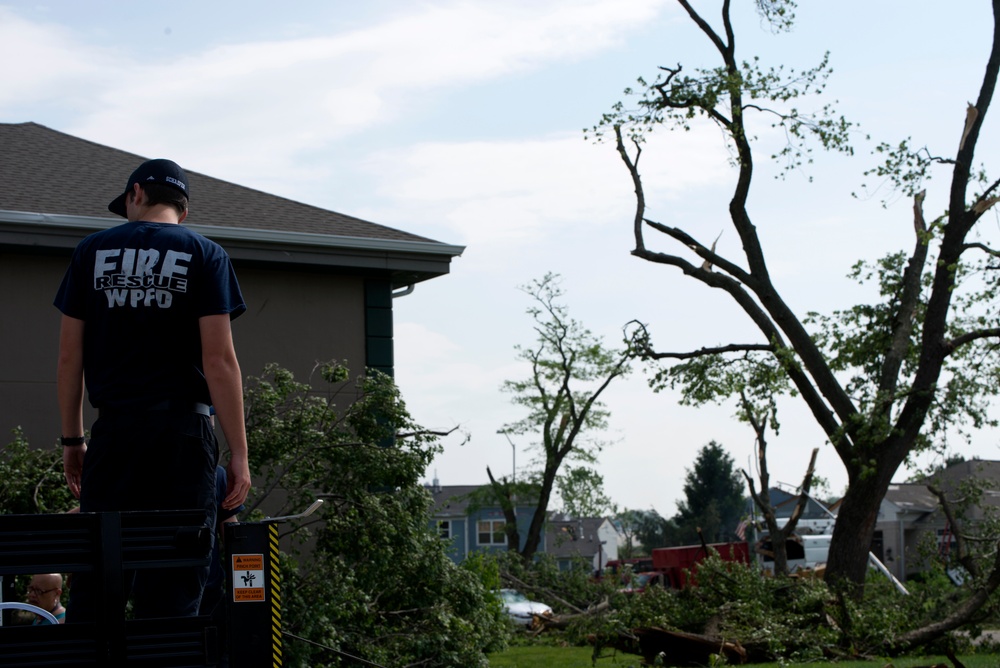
[680,649]
[983,584]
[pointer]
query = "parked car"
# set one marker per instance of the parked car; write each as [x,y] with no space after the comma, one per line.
[522,611]
[639,582]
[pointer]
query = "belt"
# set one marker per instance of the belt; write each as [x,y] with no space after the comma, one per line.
[166,405]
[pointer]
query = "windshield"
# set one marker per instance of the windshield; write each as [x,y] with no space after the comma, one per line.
[512,596]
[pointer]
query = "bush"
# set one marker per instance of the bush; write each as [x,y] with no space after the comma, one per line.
[771,617]
[31,479]
[542,580]
[370,579]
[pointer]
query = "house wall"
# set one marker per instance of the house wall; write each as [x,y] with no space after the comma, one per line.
[492,514]
[459,539]
[889,527]
[903,536]
[608,537]
[465,531]
[295,318]
[919,539]
[894,552]
[29,341]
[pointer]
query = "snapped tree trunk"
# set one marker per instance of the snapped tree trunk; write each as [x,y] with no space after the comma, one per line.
[847,562]
[504,496]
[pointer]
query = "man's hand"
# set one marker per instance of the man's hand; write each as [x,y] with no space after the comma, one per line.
[237,483]
[73,467]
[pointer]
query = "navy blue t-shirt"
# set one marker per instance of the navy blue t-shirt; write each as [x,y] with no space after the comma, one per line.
[140,289]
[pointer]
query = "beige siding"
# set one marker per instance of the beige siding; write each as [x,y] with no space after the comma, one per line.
[29,339]
[294,318]
[297,318]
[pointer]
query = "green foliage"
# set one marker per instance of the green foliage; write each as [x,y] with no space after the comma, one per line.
[772,618]
[713,491]
[554,656]
[907,170]
[565,353]
[757,377]
[542,580]
[522,492]
[725,94]
[791,620]
[370,579]
[650,529]
[858,339]
[781,617]
[779,14]
[570,369]
[872,626]
[31,479]
[581,489]
[776,619]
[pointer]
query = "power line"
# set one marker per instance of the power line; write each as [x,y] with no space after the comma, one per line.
[344,655]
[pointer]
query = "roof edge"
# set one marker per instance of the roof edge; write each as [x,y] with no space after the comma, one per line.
[245,234]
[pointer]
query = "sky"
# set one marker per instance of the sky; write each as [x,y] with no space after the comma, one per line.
[462,121]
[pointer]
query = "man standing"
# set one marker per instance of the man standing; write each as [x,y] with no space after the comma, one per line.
[146,322]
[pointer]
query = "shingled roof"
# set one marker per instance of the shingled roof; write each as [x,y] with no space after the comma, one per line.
[55,181]
[89,175]
[912,497]
[575,537]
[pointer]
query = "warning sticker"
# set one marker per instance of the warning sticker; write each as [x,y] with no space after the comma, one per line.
[248,577]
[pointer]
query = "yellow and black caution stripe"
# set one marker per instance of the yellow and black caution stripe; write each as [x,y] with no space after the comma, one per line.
[275,582]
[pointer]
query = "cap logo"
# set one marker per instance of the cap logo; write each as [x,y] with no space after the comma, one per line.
[170,179]
[150,178]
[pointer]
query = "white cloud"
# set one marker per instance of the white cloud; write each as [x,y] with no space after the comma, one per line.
[425,346]
[281,97]
[515,192]
[45,63]
[449,369]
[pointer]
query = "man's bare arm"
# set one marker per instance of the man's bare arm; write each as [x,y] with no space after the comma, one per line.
[69,389]
[225,384]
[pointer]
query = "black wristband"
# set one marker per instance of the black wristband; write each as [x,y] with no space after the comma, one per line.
[72,440]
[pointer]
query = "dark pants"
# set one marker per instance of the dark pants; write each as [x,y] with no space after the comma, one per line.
[153,460]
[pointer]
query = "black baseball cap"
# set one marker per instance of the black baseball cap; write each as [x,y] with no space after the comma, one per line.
[162,171]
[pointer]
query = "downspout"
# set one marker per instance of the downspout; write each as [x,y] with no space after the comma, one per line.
[408,289]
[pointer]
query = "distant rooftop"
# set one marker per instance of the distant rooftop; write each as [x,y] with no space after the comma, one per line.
[912,497]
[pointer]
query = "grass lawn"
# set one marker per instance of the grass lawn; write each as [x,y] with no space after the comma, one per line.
[545,656]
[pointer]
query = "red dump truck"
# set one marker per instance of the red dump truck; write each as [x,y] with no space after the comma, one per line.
[678,564]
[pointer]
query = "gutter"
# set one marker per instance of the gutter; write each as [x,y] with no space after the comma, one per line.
[310,239]
[406,290]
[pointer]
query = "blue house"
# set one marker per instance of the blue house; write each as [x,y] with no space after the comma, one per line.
[473,527]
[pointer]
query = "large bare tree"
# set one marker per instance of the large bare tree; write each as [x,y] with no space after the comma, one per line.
[880,379]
